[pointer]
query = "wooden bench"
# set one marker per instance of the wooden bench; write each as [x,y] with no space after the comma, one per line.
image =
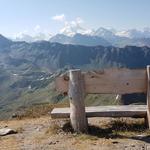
[115,81]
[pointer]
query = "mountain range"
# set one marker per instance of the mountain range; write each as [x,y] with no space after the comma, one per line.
[28,69]
[101,36]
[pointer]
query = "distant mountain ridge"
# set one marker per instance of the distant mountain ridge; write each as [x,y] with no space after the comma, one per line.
[101,36]
[80,39]
[53,55]
[4,42]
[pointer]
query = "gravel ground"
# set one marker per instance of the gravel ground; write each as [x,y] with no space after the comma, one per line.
[46,134]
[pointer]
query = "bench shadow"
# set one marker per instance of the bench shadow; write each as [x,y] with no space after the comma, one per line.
[116,129]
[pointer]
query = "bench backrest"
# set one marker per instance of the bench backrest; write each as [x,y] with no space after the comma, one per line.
[112,81]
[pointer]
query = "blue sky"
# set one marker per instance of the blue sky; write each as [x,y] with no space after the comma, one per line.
[50,15]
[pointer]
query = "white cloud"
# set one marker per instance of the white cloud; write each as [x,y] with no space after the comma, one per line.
[37,28]
[60,17]
[76,26]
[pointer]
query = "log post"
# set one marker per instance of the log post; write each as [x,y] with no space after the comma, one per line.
[76,96]
[148,96]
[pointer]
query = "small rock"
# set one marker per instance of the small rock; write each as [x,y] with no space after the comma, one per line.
[38,129]
[14,115]
[50,143]
[6,131]
[140,136]
[115,142]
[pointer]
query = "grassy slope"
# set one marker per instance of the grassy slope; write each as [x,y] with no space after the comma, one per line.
[48,95]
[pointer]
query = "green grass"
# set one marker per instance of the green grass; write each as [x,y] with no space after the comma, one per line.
[101,99]
[16,101]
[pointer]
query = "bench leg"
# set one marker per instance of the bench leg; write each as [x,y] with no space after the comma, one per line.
[148,96]
[76,98]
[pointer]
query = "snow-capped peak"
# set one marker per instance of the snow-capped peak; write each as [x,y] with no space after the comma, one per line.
[28,38]
[76,27]
[134,33]
[73,27]
[105,33]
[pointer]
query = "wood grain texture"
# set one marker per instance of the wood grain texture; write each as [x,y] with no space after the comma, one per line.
[115,81]
[105,111]
[148,97]
[76,97]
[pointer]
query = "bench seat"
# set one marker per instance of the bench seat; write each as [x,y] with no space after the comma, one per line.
[136,111]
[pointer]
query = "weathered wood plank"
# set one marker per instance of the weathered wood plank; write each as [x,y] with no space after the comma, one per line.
[117,81]
[62,83]
[148,96]
[105,111]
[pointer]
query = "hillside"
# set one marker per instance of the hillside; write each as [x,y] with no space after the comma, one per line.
[29,69]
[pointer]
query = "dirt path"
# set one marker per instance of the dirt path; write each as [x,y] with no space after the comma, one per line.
[39,134]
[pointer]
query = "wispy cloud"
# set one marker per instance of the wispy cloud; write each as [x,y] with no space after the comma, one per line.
[60,17]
